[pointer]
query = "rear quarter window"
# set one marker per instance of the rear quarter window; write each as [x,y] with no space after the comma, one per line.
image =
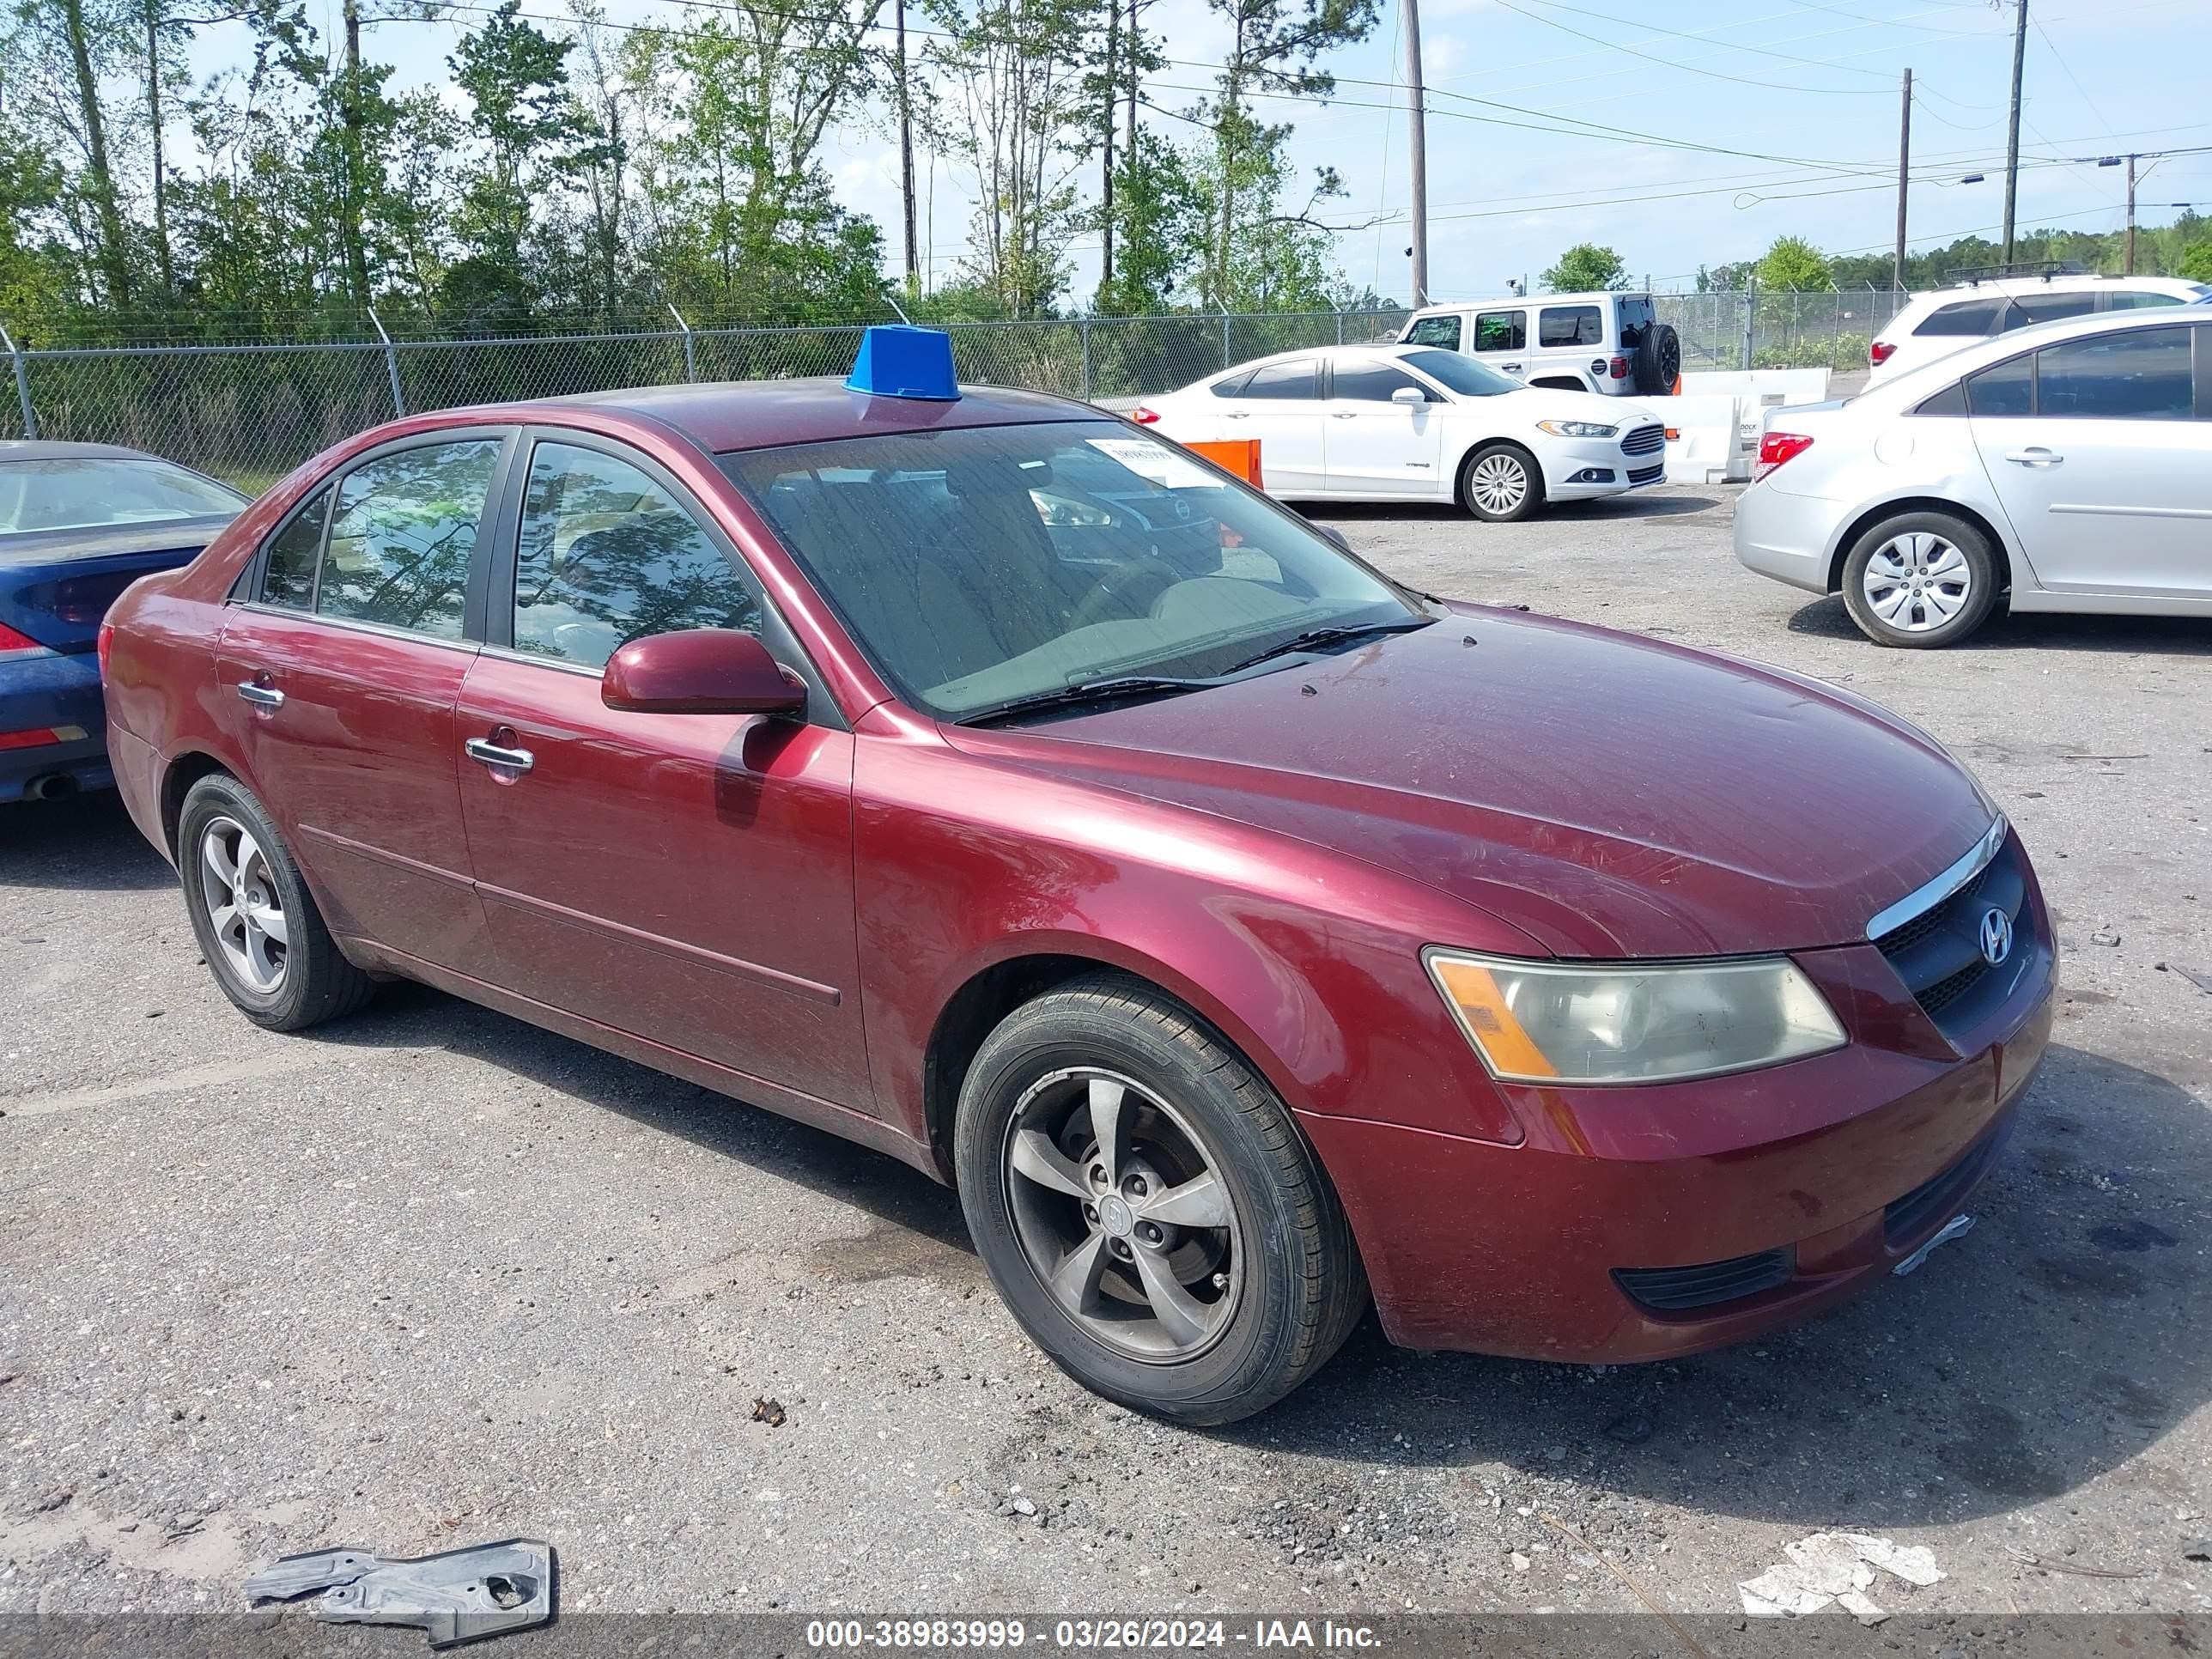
[1968,318]
[1570,325]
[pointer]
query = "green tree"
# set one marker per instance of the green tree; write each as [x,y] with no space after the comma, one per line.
[1159,220]
[2196,262]
[533,135]
[1791,263]
[1586,268]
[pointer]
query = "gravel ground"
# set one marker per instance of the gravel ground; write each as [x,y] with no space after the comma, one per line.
[434,1276]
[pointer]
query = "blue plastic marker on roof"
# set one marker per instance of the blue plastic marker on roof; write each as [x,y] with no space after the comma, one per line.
[897,361]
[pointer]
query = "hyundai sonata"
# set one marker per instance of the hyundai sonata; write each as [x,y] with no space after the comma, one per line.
[1245,932]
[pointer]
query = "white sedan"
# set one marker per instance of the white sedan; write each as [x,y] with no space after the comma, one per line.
[1415,423]
[2064,467]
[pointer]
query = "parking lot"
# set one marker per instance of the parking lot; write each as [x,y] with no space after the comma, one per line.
[432,1276]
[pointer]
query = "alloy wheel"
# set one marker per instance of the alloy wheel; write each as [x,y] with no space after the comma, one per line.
[1916,582]
[1121,1214]
[1497,482]
[245,906]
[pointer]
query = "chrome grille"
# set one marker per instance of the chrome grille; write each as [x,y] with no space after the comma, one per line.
[1938,953]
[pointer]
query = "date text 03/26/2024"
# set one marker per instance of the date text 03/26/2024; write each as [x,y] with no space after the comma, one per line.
[1122,1634]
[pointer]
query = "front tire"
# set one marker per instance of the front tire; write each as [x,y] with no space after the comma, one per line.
[1147,1209]
[1501,482]
[1920,580]
[255,921]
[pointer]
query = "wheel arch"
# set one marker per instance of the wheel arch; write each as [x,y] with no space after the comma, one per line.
[1466,459]
[1874,516]
[184,769]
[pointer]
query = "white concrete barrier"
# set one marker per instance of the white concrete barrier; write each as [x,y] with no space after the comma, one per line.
[1713,438]
[1767,385]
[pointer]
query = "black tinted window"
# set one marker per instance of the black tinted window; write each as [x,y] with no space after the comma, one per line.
[1435,331]
[405,529]
[1282,380]
[2140,375]
[1636,316]
[1973,317]
[607,556]
[2135,300]
[1951,400]
[1232,386]
[2004,390]
[1501,330]
[289,578]
[2047,309]
[1570,325]
[1373,382]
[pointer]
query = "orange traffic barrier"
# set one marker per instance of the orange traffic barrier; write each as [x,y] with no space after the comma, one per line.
[1238,455]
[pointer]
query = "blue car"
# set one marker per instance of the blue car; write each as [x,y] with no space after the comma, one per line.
[79,523]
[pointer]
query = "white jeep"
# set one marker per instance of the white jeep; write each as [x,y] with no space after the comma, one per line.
[1606,343]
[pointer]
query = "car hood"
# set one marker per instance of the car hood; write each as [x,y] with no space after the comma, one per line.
[1607,795]
[1546,403]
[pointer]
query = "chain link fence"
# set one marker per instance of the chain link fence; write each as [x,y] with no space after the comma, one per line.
[250,413]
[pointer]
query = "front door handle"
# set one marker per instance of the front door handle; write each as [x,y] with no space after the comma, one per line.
[1239,414]
[1343,414]
[494,754]
[261,696]
[1510,368]
[2035,456]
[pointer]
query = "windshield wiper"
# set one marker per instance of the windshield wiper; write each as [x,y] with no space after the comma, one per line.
[1088,691]
[1313,638]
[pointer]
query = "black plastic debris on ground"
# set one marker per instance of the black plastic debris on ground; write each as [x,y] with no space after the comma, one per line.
[455,1596]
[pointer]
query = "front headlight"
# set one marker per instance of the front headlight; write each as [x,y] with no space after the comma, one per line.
[1575,429]
[1543,1022]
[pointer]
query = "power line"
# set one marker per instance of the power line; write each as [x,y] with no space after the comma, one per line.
[1686,69]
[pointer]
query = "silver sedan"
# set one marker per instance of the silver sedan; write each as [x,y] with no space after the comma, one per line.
[2064,467]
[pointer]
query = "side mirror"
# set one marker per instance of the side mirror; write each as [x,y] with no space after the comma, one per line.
[1331,534]
[1412,396]
[699,671]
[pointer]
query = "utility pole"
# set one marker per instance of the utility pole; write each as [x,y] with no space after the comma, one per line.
[1418,151]
[2012,137]
[2128,267]
[1904,179]
[906,157]
[1113,98]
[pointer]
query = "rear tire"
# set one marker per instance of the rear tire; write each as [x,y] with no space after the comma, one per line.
[256,922]
[1920,580]
[1501,484]
[1213,1271]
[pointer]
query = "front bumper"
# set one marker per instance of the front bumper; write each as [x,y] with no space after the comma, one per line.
[54,693]
[1743,1202]
[1566,461]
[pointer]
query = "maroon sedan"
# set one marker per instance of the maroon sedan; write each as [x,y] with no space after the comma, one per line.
[988,781]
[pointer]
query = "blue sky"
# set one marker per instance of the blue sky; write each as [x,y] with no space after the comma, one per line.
[1809,91]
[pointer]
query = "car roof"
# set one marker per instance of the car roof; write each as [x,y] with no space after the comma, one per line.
[1586,297]
[1998,347]
[727,415]
[40,449]
[2066,282]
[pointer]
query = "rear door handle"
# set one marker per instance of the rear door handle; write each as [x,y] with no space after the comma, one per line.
[2036,456]
[263,696]
[1511,368]
[1343,414]
[1239,414]
[493,754]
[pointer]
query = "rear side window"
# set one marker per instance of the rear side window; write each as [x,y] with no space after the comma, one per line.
[289,577]
[1570,325]
[607,556]
[1970,318]
[404,531]
[2028,308]
[1282,380]
[1435,331]
[1501,330]
[2142,374]
[2003,391]
[2137,298]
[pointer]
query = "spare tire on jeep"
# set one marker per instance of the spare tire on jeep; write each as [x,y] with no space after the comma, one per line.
[1658,362]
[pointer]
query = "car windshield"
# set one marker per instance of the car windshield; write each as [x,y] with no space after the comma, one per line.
[1461,374]
[981,565]
[88,492]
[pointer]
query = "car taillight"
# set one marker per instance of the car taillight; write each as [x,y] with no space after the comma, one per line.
[107,644]
[1776,447]
[1880,352]
[1144,417]
[1619,369]
[14,645]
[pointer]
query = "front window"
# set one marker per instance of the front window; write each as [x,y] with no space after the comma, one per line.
[978,565]
[88,493]
[1461,374]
